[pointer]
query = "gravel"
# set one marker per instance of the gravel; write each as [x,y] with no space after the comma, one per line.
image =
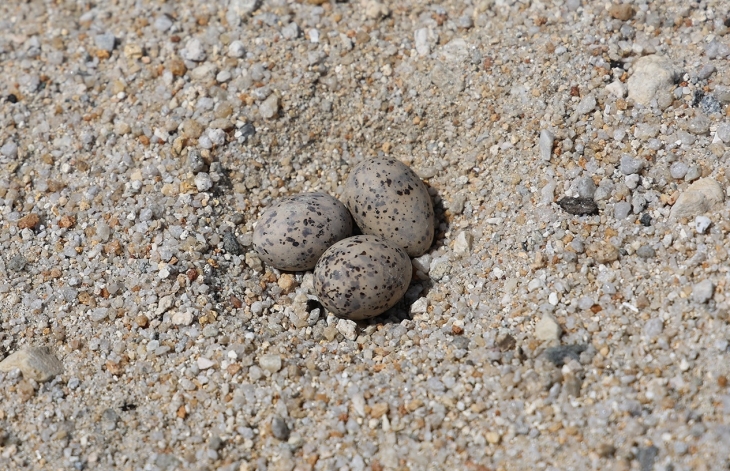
[139,146]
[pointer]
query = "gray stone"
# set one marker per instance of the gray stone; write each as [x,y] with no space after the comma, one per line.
[702,292]
[290,31]
[585,187]
[17,263]
[163,23]
[547,139]
[105,42]
[36,363]
[586,105]
[723,132]
[646,457]
[242,8]
[462,244]
[280,429]
[700,124]
[650,74]
[203,181]
[236,49]
[629,165]
[193,50]
[698,198]
[678,170]
[702,223]
[646,251]
[347,328]
[9,149]
[621,210]
[653,328]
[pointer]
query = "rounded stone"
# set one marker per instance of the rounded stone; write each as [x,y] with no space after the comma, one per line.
[387,199]
[362,277]
[294,232]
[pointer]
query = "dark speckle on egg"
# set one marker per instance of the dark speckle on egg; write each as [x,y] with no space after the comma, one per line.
[362,277]
[387,199]
[294,232]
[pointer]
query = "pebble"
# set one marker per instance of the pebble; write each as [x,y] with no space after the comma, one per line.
[280,429]
[547,139]
[630,165]
[163,23]
[651,74]
[462,243]
[621,210]
[290,31]
[646,252]
[617,88]
[182,318]
[702,292]
[205,363]
[422,43]
[347,328]
[678,170]
[586,105]
[547,328]
[700,124]
[269,108]
[623,11]
[585,187]
[271,362]
[723,132]
[203,181]
[37,363]
[236,49]
[602,252]
[9,149]
[702,223]
[193,51]
[105,42]
[698,198]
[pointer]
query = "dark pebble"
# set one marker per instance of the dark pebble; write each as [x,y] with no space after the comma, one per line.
[237,218]
[247,130]
[12,98]
[709,105]
[578,206]
[313,304]
[215,443]
[280,429]
[645,220]
[506,342]
[230,243]
[461,342]
[559,355]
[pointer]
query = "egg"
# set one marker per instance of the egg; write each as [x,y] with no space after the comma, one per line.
[361,277]
[293,233]
[386,198]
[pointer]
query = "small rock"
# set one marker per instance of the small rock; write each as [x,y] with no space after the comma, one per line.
[419,306]
[164,304]
[602,252]
[678,170]
[698,198]
[204,363]
[646,457]
[375,9]
[578,206]
[547,328]
[561,354]
[347,328]
[421,38]
[586,105]
[269,107]
[586,188]
[271,362]
[290,31]
[280,429]
[623,12]
[29,221]
[36,363]
[163,23]
[462,244]
[646,252]
[230,243]
[723,132]
[193,51]
[706,71]
[17,263]
[105,42]
[547,139]
[702,223]
[700,124]
[236,49]
[617,88]
[653,328]
[203,181]
[702,292]
[446,79]
[9,149]
[651,74]
[630,165]
[182,318]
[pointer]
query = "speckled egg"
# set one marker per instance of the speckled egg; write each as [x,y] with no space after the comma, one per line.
[387,198]
[361,277]
[294,232]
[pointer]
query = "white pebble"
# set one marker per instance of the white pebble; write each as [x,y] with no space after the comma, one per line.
[553,298]
[702,223]
[547,328]
[204,363]
[547,139]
